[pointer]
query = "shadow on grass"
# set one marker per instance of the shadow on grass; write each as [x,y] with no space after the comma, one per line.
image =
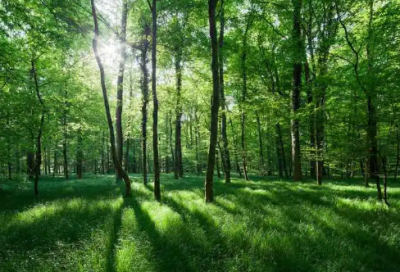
[255,226]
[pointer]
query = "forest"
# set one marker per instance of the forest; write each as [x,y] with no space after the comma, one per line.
[194,135]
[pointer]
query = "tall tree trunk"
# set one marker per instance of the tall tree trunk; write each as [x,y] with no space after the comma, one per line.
[397,154]
[127,154]
[384,160]
[261,147]
[30,159]
[178,123]
[225,151]
[103,159]
[55,159]
[312,119]
[372,98]
[235,150]
[116,162]
[79,155]
[197,136]
[157,191]
[297,71]
[120,87]
[282,149]
[217,164]
[65,135]
[244,94]
[38,156]
[145,100]
[209,192]
[279,152]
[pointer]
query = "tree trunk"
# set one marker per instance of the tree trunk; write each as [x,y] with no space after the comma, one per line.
[127,155]
[116,163]
[397,154]
[38,156]
[312,121]
[145,101]
[178,124]
[55,165]
[282,149]
[236,151]
[197,139]
[297,71]
[65,135]
[157,192]
[120,87]
[209,192]
[226,156]
[260,142]
[384,160]
[244,94]
[79,155]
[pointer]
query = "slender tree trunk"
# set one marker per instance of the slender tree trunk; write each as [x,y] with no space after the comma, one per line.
[260,142]
[55,165]
[120,87]
[38,156]
[197,136]
[236,151]
[312,121]
[397,154]
[209,192]
[384,160]
[157,192]
[244,94]
[103,159]
[65,135]
[178,124]
[116,162]
[282,149]
[30,157]
[297,71]
[127,155]
[79,155]
[226,156]
[145,101]
[279,153]
[217,164]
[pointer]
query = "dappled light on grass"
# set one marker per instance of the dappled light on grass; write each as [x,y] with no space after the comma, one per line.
[257,226]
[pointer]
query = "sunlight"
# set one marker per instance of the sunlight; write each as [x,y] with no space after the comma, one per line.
[109,54]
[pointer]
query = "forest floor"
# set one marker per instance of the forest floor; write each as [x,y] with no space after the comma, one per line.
[263,225]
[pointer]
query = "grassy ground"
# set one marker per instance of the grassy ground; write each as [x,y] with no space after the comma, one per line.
[260,226]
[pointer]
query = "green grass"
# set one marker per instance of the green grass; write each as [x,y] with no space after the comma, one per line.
[259,226]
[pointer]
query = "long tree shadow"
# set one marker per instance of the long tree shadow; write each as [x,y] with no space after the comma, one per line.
[167,255]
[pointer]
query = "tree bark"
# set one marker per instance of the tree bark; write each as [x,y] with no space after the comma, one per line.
[79,155]
[226,156]
[65,135]
[244,94]
[178,123]
[261,147]
[38,156]
[145,101]
[235,150]
[397,154]
[157,192]
[116,162]
[297,71]
[120,87]
[281,149]
[209,192]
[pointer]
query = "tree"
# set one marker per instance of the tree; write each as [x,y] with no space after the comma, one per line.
[209,194]
[116,162]
[297,74]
